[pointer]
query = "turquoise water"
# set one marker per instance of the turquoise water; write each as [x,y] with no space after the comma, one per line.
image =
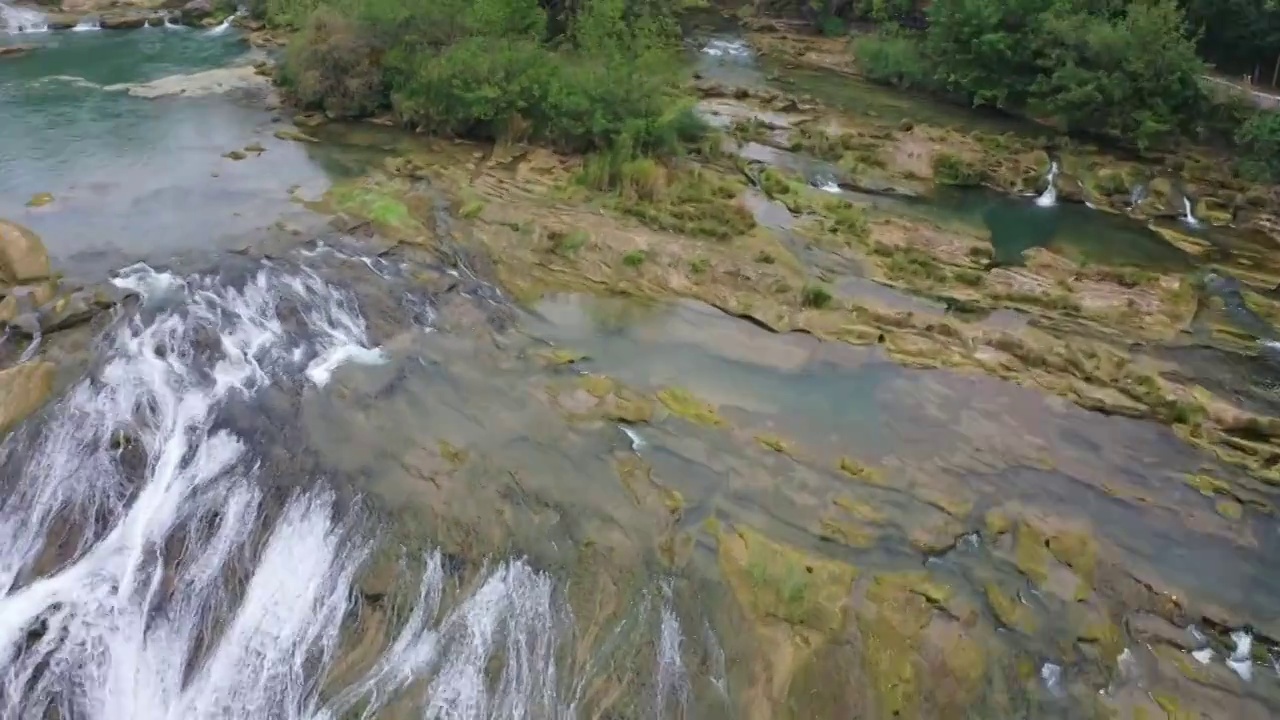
[134,177]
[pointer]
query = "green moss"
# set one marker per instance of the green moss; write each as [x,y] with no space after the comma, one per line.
[379,205]
[1229,509]
[996,522]
[777,582]
[453,455]
[1031,553]
[560,356]
[599,386]
[1009,610]
[774,443]
[688,406]
[471,209]
[861,472]
[1078,552]
[1208,486]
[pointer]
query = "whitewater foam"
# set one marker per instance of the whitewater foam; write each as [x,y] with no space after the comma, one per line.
[148,569]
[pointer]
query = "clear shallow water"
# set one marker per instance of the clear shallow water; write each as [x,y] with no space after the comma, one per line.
[135,177]
[1016,225]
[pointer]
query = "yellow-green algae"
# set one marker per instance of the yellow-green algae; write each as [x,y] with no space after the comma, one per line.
[688,406]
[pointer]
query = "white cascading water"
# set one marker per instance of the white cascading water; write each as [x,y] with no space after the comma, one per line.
[88,25]
[171,587]
[14,20]
[1049,197]
[1188,213]
[1137,195]
[225,25]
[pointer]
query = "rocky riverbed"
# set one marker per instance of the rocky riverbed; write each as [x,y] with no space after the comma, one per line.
[846,414]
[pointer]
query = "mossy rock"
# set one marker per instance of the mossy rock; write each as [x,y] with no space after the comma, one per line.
[685,404]
[778,583]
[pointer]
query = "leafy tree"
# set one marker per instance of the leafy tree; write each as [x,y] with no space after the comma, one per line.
[1239,35]
[1259,142]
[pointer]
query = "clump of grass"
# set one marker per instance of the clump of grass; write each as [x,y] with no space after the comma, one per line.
[471,209]
[699,266]
[688,201]
[815,295]
[964,276]
[979,252]
[568,244]
[635,258]
[908,263]
[845,219]
[951,169]
[777,185]
[752,129]
[764,257]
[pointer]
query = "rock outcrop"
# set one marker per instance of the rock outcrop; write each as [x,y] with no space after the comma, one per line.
[23,257]
[10,51]
[23,389]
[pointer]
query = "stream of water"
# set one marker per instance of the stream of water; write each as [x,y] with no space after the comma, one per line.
[327,478]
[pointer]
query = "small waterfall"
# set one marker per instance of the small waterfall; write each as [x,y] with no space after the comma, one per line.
[169,24]
[1049,197]
[225,25]
[727,47]
[1188,214]
[16,20]
[88,25]
[1137,194]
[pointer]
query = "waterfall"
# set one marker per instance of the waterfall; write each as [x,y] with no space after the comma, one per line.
[1137,194]
[87,25]
[155,564]
[1188,215]
[169,24]
[22,20]
[1049,197]
[225,25]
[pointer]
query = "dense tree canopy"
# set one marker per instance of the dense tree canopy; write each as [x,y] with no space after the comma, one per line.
[580,75]
[1127,70]
[1237,35]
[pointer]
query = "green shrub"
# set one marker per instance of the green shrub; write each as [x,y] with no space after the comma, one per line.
[334,67]
[951,169]
[815,296]
[606,74]
[893,60]
[1259,143]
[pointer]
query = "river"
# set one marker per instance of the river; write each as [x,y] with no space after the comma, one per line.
[304,472]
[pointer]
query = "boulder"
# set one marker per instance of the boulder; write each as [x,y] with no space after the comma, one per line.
[123,22]
[71,310]
[1215,211]
[196,10]
[24,299]
[61,21]
[294,135]
[23,389]
[40,200]
[23,257]
[15,50]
